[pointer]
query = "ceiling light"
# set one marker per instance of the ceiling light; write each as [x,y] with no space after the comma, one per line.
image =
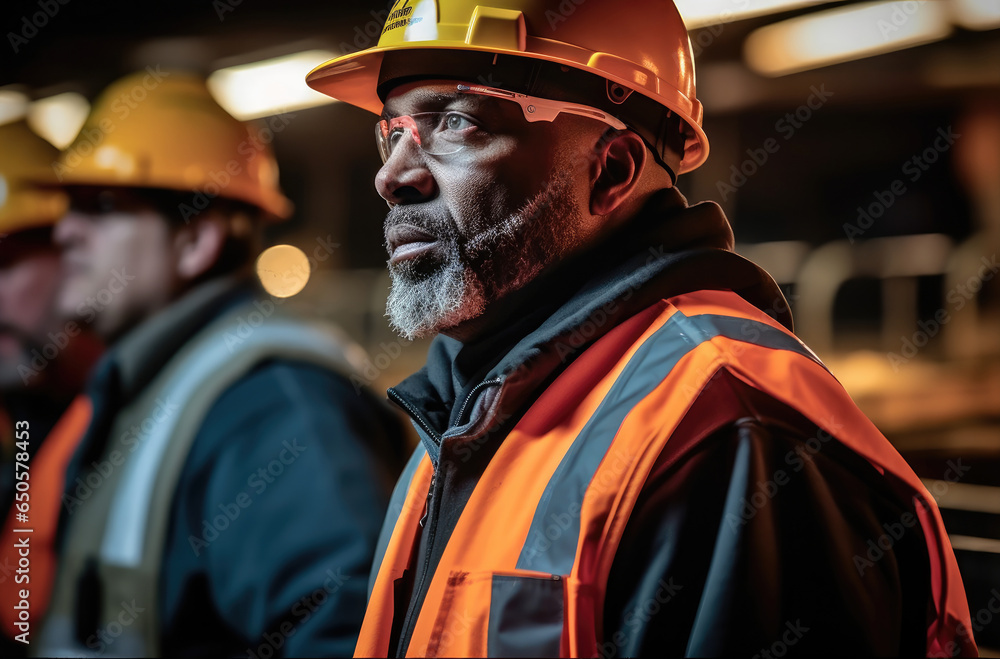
[699,13]
[59,118]
[271,86]
[283,270]
[844,34]
[977,14]
[13,105]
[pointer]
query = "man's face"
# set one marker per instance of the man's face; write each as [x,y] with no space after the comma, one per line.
[467,228]
[29,280]
[117,258]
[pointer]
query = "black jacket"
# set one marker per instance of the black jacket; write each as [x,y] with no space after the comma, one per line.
[696,573]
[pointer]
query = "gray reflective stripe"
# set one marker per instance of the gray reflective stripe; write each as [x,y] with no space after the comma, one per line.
[526,617]
[551,542]
[125,532]
[392,515]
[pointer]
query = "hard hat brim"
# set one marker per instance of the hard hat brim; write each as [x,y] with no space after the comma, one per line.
[275,207]
[353,79]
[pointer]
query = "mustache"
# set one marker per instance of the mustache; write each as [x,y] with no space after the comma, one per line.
[438,222]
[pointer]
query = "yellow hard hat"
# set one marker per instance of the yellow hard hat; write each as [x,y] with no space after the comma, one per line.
[163,129]
[26,162]
[639,46]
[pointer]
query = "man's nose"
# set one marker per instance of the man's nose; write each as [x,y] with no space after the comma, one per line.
[405,178]
[71,229]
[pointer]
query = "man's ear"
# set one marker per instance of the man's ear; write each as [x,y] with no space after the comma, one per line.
[198,246]
[620,159]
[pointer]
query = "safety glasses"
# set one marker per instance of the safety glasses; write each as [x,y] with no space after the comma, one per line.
[444,133]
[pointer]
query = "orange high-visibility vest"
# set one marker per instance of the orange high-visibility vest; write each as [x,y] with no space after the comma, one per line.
[47,475]
[525,569]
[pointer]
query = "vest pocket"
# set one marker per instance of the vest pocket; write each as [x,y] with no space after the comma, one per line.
[527,615]
[517,613]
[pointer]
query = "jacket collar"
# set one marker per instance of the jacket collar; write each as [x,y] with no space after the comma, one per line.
[667,249]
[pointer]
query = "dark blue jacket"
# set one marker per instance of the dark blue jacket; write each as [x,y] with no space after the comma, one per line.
[275,518]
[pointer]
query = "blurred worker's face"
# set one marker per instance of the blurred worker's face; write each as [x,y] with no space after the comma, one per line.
[29,281]
[466,229]
[118,259]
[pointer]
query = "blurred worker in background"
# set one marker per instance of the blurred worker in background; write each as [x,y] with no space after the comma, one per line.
[43,360]
[625,450]
[227,482]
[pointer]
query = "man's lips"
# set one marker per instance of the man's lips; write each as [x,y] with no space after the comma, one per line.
[407,241]
[72,266]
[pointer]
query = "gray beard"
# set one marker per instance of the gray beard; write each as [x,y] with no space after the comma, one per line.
[478,271]
[419,307]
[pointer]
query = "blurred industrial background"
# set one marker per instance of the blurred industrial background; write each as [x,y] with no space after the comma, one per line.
[855,148]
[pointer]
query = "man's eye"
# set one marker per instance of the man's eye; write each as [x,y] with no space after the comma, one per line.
[394,136]
[453,121]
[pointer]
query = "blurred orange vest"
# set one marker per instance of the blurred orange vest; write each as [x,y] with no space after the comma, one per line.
[46,476]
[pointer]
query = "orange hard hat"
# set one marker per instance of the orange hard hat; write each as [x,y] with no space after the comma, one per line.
[163,129]
[26,161]
[641,46]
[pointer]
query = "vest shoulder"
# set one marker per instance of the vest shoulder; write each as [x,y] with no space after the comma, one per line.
[288,397]
[719,322]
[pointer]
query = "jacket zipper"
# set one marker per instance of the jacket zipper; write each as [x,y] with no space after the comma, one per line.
[468,399]
[415,415]
[412,611]
[432,501]
[435,437]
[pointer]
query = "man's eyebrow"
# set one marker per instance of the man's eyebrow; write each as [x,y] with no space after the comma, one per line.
[431,100]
